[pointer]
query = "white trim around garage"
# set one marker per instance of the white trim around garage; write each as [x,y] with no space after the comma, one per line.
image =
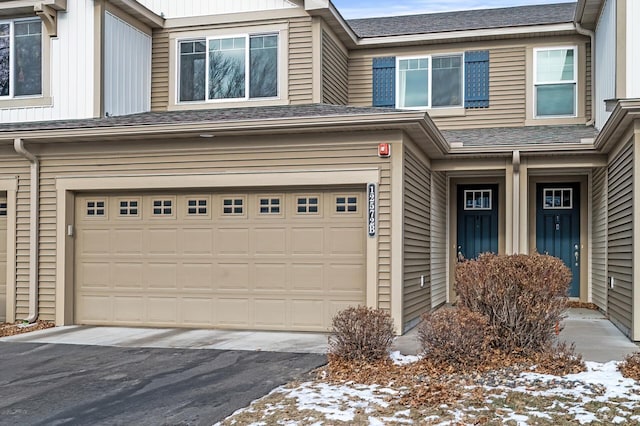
[10,186]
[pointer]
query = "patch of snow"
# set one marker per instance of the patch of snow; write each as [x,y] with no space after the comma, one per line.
[400,359]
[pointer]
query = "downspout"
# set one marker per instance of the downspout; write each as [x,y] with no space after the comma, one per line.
[34,195]
[581,30]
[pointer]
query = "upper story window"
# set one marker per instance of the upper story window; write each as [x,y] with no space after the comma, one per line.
[228,68]
[555,82]
[430,81]
[20,58]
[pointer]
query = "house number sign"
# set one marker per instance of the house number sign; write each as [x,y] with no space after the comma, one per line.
[371,208]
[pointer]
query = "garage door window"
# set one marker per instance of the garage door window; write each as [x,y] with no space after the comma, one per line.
[346,204]
[96,208]
[163,207]
[308,205]
[3,209]
[129,208]
[233,206]
[270,206]
[198,207]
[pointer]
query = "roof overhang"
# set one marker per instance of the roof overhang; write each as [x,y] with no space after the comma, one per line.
[327,11]
[588,12]
[29,7]
[141,13]
[622,118]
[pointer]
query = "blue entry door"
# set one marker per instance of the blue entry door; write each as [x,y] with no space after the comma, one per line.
[477,227]
[558,226]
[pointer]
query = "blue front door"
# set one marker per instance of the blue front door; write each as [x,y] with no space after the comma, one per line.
[477,220]
[558,226]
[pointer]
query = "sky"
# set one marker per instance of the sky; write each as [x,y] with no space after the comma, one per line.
[351,9]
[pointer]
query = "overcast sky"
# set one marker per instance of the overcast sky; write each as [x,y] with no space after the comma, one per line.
[351,9]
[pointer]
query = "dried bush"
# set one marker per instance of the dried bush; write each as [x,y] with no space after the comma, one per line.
[361,333]
[524,297]
[457,338]
[630,367]
[560,359]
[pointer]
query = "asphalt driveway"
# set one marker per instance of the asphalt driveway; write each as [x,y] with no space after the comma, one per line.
[57,384]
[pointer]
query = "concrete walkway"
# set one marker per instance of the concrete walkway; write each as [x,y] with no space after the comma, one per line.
[595,337]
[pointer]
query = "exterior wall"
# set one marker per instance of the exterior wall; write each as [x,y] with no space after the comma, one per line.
[225,155]
[417,230]
[127,68]
[620,238]
[335,71]
[439,242]
[599,238]
[606,61]
[71,72]
[184,8]
[508,82]
[296,59]
[633,49]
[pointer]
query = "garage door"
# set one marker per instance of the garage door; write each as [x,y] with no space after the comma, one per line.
[272,261]
[3,258]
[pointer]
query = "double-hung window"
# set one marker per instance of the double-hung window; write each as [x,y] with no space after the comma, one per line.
[20,58]
[228,68]
[430,82]
[555,82]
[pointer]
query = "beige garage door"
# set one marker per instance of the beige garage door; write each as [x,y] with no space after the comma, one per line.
[272,261]
[3,258]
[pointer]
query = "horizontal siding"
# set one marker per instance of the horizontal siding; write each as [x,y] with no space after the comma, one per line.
[589,82]
[417,230]
[185,8]
[141,159]
[620,239]
[335,72]
[599,238]
[438,239]
[160,71]
[300,61]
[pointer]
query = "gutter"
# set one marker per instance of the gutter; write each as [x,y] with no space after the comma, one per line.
[581,30]
[34,195]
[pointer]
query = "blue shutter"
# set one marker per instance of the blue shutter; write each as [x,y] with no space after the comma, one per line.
[384,82]
[476,88]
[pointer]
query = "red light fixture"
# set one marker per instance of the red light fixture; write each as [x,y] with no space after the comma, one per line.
[384,150]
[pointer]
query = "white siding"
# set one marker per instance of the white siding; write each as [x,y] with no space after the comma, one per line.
[127,68]
[605,61]
[633,49]
[72,69]
[184,8]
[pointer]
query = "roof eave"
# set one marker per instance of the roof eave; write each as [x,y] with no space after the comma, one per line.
[327,11]
[140,12]
[622,117]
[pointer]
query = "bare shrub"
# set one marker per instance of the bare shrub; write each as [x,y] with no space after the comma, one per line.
[559,359]
[361,333]
[524,297]
[458,338]
[630,367]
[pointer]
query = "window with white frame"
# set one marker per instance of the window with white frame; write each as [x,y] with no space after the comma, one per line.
[20,58]
[477,199]
[430,81]
[558,198]
[555,79]
[228,68]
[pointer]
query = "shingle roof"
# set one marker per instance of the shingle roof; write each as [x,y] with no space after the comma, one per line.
[532,135]
[199,116]
[464,20]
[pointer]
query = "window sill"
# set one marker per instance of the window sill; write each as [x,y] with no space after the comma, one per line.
[554,121]
[43,101]
[232,104]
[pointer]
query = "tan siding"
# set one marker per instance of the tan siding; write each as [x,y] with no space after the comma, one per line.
[620,239]
[599,239]
[141,159]
[417,206]
[506,96]
[589,82]
[335,72]
[300,61]
[438,239]
[160,71]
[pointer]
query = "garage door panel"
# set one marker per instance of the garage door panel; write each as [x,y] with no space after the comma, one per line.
[267,267]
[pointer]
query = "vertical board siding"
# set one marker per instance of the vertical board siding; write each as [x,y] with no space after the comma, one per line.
[160,71]
[335,72]
[620,239]
[606,61]
[184,8]
[91,159]
[507,90]
[127,68]
[438,239]
[599,238]
[300,61]
[633,49]
[417,231]
[71,72]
